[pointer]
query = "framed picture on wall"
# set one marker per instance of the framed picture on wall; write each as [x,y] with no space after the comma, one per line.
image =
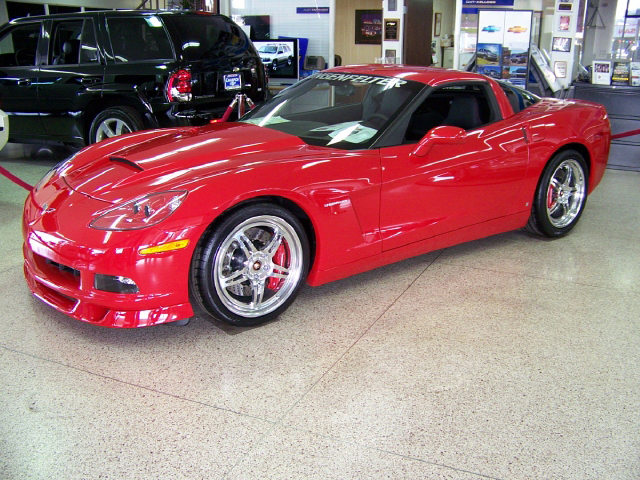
[437,25]
[369,27]
[393,5]
[391,28]
[561,44]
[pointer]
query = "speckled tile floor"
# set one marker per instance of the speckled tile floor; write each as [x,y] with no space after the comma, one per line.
[510,357]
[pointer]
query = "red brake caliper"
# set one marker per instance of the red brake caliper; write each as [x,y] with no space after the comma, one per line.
[281,258]
[552,197]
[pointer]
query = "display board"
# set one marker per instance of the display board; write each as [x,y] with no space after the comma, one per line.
[504,41]
[281,59]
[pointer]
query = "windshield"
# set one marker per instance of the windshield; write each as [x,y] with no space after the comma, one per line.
[338,110]
[268,49]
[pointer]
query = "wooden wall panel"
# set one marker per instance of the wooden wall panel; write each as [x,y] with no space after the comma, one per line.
[345,45]
[418,31]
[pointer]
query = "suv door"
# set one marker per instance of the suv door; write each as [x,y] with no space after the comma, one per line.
[19,78]
[70,77]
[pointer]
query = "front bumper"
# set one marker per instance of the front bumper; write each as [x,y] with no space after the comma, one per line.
[62,256]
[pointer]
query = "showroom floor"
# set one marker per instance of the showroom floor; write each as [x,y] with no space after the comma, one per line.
[511,357]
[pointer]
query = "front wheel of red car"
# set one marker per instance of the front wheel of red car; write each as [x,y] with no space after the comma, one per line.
[251,266]
[561,195]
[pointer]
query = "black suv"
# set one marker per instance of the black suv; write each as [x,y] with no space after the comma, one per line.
[79,78]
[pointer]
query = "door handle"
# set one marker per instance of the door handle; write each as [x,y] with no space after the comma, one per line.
[88,81]
[24,82]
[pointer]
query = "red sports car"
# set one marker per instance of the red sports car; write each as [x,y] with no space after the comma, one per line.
[348,170]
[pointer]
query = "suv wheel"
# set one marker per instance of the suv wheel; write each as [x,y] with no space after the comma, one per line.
[114,121]
[274,65]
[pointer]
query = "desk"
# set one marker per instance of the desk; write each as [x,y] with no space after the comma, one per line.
[623,106]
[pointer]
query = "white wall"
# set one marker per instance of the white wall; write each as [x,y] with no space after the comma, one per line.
[286,22]
[398,14]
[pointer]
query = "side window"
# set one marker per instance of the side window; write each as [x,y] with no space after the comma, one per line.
[464,106]
[89,45]
[18,46]
[138,39]
[65,43]
[518,98]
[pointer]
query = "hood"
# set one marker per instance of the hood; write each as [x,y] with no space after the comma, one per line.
[158,160]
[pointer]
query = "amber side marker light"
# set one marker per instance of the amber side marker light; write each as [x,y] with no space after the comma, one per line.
[165,247]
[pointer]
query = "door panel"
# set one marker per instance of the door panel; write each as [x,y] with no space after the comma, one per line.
[73,68]
[19,78]
[453,186]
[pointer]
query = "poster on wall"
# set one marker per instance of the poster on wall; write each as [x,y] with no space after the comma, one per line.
[560,69]
[564,23]
[391,29]
[635,74]
[621,73]
[504,39]
[601,73]
[368,27]
[561,44]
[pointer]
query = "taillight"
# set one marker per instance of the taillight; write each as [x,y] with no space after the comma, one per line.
[179,86]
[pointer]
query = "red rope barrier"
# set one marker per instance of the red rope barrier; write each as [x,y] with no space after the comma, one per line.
[14,179]
[625,134]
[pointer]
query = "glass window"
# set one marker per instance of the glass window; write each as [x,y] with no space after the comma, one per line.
[89,46]
[65,46]
[519,98]
[206,36]
[612,33]
[139,38]
[18,47]
[73,42]
[345,111]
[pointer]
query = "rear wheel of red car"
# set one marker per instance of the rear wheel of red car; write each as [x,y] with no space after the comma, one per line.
[251,266]
[561,195]
[113,122]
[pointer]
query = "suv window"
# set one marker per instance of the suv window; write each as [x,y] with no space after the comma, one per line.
[73,42]
[139,38]
[206,36]
[19,46]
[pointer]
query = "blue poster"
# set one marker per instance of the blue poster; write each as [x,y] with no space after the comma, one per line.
[490,3]
[312,9]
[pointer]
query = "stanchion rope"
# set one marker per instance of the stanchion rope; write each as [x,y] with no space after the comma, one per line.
[14,179]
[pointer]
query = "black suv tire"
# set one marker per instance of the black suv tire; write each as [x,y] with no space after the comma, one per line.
[114,121]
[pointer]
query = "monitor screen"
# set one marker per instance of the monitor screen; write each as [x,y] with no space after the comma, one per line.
[280,58]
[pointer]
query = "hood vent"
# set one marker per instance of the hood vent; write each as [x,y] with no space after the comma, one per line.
[126,162]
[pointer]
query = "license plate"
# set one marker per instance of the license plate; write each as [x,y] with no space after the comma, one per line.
[233,81]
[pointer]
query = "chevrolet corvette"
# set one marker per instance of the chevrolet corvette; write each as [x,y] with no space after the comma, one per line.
[348,170]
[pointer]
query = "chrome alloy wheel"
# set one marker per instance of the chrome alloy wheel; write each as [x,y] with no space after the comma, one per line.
[111,127]
[566,193]
[258,266]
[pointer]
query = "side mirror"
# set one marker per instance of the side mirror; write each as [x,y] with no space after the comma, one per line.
[443,135]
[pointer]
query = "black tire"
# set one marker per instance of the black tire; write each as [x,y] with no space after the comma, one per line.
[561,195]
[115,121]
[274,65]
[289,60]
[251,266]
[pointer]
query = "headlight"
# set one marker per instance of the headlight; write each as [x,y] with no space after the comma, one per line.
[141,212]
[53,172]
